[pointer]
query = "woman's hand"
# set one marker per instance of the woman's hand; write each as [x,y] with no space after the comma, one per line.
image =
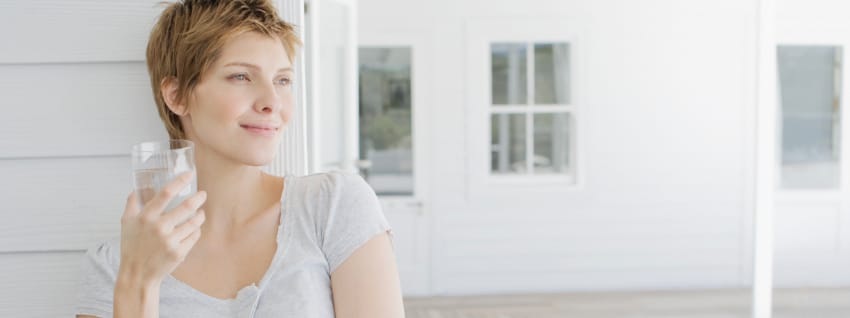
[154,243]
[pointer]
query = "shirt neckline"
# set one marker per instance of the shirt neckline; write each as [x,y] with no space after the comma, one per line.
[255,288]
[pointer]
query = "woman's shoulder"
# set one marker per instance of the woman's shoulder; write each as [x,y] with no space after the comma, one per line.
[330,177]
[346,215]
[322,196]
[330,184]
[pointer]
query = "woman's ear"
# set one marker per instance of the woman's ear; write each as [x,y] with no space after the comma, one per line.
[168,87]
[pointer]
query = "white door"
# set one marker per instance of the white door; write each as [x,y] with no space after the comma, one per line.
[813,201]
[392,147]
[365,116]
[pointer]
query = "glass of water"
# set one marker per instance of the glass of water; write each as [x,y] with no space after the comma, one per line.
[157,163]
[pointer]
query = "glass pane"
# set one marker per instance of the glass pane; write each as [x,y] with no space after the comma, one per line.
[552,73]
[810,92]
[551,143]
[509,73]
[507,143]
[385,119]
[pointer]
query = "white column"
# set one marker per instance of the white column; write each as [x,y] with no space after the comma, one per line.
[292,154]
[766,159]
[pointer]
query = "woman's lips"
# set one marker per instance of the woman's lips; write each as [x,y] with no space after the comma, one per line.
[260,131]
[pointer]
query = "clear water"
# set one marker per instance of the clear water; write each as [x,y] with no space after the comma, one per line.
[150,181]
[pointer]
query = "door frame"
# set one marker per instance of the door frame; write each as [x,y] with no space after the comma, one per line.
[420,44]
[350,145]
[799,33]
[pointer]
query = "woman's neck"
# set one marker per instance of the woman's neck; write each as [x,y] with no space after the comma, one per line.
[236,193]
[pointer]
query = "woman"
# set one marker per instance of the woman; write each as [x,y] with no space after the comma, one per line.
[255,245]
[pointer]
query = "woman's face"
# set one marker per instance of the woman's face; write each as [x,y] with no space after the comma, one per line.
[241,105]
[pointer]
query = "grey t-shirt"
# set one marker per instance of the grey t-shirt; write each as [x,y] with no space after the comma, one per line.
[324,218]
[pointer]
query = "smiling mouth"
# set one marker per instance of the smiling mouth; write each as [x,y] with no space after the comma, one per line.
[260,131]
[259,127]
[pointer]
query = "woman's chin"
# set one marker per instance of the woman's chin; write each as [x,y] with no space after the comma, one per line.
[258,159]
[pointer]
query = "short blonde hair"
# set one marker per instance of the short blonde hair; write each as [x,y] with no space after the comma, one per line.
[188,38]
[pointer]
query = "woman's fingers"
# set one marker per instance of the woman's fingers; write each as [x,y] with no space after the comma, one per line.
[184,230]
[189,242]
[161,199]
[185,210]
[132,207]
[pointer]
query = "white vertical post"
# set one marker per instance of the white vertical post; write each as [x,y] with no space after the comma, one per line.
[351,91]
[313,46]
[766,158]
[292,154]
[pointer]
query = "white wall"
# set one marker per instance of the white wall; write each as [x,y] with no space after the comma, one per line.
[667,101]
[75,97]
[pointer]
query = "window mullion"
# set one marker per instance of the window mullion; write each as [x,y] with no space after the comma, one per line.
[529,70]
[529,117]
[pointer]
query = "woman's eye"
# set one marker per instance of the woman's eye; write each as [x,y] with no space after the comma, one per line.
[239,77]
[284,81]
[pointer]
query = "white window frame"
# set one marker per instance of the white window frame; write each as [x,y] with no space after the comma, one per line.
[480,34]
[836,191]
[840,192]
[529,109]
[389,42]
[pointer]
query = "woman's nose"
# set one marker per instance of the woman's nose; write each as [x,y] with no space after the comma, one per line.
[268,101]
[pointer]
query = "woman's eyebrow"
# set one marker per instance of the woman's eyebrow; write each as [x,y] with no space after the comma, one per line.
[255,67]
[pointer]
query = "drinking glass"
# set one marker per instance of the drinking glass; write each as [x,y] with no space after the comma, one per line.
[157,163]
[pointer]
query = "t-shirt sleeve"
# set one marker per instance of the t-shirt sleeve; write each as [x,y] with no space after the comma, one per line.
[354,217]
[95,289]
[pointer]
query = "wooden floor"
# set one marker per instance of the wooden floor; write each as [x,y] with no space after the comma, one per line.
[795,303]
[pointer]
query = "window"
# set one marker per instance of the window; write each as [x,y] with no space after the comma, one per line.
[386,140]
[810,83]
[531,111]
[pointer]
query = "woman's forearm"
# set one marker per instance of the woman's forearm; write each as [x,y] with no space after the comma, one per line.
[135,297]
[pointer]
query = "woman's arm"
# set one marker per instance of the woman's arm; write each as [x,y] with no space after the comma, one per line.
[367,283]
[153,244]
[134,297]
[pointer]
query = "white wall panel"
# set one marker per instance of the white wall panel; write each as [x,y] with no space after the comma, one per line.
[39,284]
[50,31]
[62,204]
[76,109]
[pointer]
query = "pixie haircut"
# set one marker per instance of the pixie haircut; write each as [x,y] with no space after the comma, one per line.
[189,36]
